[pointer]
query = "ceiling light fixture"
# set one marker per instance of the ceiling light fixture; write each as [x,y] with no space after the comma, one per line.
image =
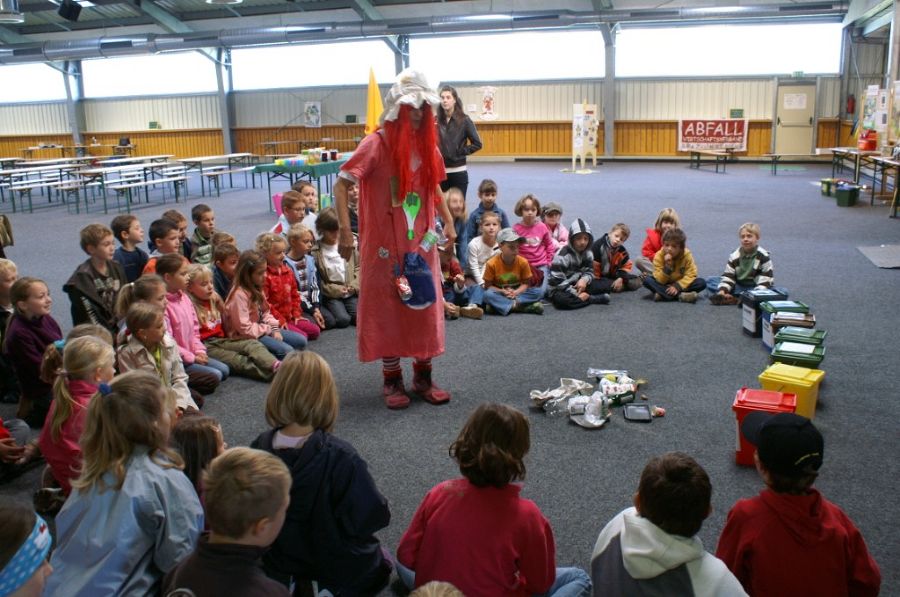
[224,2]
[9,12]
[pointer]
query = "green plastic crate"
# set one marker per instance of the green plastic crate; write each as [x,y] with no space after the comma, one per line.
[798,355]
[801,335]
[827,184]
[847,195]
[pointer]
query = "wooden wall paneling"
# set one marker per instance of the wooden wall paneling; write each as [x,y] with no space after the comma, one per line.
[181,143]
[11,146]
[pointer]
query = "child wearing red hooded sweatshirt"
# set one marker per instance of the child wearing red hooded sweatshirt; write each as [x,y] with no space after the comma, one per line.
[790,540]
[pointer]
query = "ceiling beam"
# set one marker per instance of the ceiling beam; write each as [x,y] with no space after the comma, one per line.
[601,5]
[366,10]
[8,36]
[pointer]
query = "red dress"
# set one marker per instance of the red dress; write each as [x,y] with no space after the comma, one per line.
[385,326]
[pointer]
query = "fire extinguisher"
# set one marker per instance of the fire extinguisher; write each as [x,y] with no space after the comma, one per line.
[851,104]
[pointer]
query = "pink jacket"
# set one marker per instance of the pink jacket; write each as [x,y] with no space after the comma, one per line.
[63,455]
[538,247]
[184,326]
[244,319]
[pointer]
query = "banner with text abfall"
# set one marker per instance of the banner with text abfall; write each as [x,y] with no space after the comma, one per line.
[721,133]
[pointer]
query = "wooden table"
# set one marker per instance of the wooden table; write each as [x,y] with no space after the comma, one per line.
[315,172]
[720,155]
[776,157]
[118,161]
[242,159]
[148,171]
[885,164]
[840,154]
[7,176]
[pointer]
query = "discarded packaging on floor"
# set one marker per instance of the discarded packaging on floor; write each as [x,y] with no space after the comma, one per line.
[591,411]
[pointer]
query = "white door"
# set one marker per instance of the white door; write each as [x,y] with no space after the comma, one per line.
[795,119]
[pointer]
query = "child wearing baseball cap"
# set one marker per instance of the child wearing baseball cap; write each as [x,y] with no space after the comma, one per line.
[790,540]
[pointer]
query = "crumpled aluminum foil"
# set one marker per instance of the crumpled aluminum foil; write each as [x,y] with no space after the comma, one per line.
[591,412]
[567,387]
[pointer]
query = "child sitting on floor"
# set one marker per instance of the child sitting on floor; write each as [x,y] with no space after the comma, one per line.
[301,240]
[30,330]
[653,547]
[748,268]
[552,216]
[487,195]
[247,315]
[201,242]
[132,515]
[95,284]
[246,357]
[459,299]
[537,245]
[481,248]
[339,279]
[181,319]
[225,260]
[128,230]
[335,507]
[674,271]
[790,540]
[247,493]
[281,289]
[507,279]
[198,440]
[87,361]
[571,272]
[24,568]
[456,203]
[165,237]
[612,264]
[476,532]
[666,220]
[149,348]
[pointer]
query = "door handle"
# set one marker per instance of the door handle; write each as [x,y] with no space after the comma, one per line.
[778,121]
[810,120]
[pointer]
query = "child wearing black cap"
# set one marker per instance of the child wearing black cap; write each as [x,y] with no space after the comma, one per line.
[789,540]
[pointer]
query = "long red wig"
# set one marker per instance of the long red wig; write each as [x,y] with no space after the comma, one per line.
[402,138]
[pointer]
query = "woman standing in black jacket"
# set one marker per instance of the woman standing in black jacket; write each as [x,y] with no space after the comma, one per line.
[459,139]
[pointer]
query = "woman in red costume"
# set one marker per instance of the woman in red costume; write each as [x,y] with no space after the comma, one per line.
[399,170]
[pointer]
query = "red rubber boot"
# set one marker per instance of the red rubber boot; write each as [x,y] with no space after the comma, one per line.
[424,388]
[395,397]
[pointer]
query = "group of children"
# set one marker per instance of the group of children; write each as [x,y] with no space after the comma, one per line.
[516,268]
[159,506]
[192,516]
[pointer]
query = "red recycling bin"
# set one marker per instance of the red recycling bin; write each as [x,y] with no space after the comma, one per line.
[747,400]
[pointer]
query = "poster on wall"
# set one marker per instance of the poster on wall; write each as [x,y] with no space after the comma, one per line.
[708,134]
[869,107]
[312,114]
[488,103]
[895,113]
[881,111]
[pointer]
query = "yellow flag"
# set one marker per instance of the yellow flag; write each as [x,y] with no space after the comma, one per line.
[374,107]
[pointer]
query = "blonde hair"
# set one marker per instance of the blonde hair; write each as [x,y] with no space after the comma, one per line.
[141,289]
[266,240]
[298,231]
[437,588]
[303,392]
[490,214]
[21,291]
[52,361]
[201,273]
[7,266]
[241,487]
[131,414]
[291,199]
[667,215]
[222,238]
[520,204]
[751,227]
[455,192]
[81,359]
[141,316]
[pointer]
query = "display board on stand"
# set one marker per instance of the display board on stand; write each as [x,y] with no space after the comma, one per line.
[584,133]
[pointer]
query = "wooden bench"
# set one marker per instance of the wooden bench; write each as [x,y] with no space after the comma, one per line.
[26,186]
[214,177]
[720,155]
[776,157]
[125,189]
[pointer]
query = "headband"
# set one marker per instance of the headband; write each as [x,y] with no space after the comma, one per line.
[31,556]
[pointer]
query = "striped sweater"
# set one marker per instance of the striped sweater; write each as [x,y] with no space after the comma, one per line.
[759,275]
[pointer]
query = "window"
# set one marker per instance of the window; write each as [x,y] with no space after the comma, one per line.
[159,74]
[728,50]
[44,83]
[311,65]
[519,56]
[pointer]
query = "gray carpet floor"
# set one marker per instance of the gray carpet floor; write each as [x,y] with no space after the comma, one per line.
[694,356]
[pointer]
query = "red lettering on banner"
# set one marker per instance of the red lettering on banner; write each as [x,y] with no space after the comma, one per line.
[725,133]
